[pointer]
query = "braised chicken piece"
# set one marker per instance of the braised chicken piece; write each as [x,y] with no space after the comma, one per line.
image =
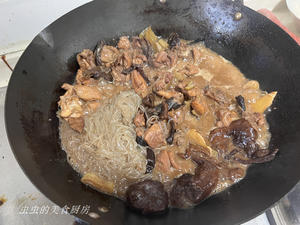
[138,58]
[199,105]
[87,93]
[109,54]
[216,94]
[118,76]
[69,103]
[76,124]
[163,161]
[177,96]
[225,117]
[126,60]
[90,82]
[161,59]
[188,90]
[139,84]
[177,116]
[155,136]
[139,120]
[165,59]
[163,80]
[68,88]
[80,77]
[86,59]
[124,43]
[71,108]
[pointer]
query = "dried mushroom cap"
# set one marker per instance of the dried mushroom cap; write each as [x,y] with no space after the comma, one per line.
[189,189]
[147,197]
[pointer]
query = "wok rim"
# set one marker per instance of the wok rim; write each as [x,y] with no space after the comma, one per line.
[12,140]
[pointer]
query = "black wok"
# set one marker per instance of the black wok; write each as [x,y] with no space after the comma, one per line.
[260,49]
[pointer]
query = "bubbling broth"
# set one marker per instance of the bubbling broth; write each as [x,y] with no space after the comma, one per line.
[162,122]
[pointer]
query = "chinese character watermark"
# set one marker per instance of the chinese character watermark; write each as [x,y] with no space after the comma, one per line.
[54,210]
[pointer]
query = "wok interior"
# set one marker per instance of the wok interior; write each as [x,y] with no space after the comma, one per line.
[257,47]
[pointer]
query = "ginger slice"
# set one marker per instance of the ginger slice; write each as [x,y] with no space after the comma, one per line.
[98,183]
[264,102]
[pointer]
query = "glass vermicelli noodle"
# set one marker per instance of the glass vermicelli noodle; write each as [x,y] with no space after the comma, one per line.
[109,141]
